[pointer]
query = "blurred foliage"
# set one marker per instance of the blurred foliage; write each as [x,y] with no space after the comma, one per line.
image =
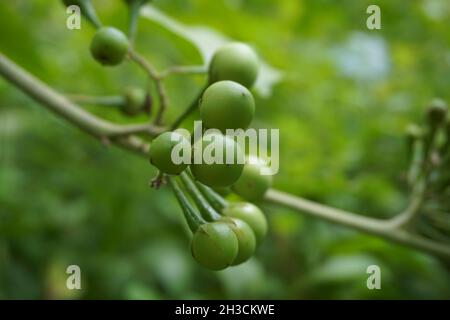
[345,99]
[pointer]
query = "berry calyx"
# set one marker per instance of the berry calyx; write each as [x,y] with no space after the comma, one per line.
[163,147]
[246,239]
[214,245]
[250,214]
[227,105]
[109,46]
[252,185]
[234,61]
[214,169]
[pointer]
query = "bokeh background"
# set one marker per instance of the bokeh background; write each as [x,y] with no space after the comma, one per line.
[340,94]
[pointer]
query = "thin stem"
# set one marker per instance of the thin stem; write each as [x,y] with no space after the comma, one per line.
[107,101]
[153,75]
[137,128]
[417,159]
[216,200]
[183,70]
[54,101]
[409,215]
[202,204]
[193,218]
[63,107]
[188,110]
[369,225]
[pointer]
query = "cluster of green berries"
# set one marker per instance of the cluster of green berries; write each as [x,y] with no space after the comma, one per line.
[231,233]
[226,103]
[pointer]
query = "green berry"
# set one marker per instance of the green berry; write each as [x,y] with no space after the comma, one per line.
[252,185]
[251,214]
[214,245]
[234,61]
[227,105]
[216,172]
[135,101]
[161,151]
[109,46]
[246,239]
[437,112]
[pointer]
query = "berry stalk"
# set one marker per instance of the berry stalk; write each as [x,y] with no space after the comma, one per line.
[206,209]
[216,200]
[193,218]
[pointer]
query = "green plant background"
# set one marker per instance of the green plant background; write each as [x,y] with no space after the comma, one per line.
[346,96]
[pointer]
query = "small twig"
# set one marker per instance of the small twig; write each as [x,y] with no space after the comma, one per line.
[381,228]
[155,76]
[406,218]
[146,128]
[59,104]
[107,101]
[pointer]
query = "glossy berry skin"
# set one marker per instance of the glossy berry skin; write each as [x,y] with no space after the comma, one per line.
[135,101]
[211,173]
[250,214]
[252,185]
[223,191]
[234,61]
[227,105]
[109,46]
[160,154]
[214,245]
[246,239]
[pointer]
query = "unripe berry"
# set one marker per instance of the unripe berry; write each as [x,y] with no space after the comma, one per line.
[227,105]
[437,112]
[109,46]
[214,245]
[135,101]
[250,214]
[216,172]
[234,61]
[252,185]
[246,239]
[161,152]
